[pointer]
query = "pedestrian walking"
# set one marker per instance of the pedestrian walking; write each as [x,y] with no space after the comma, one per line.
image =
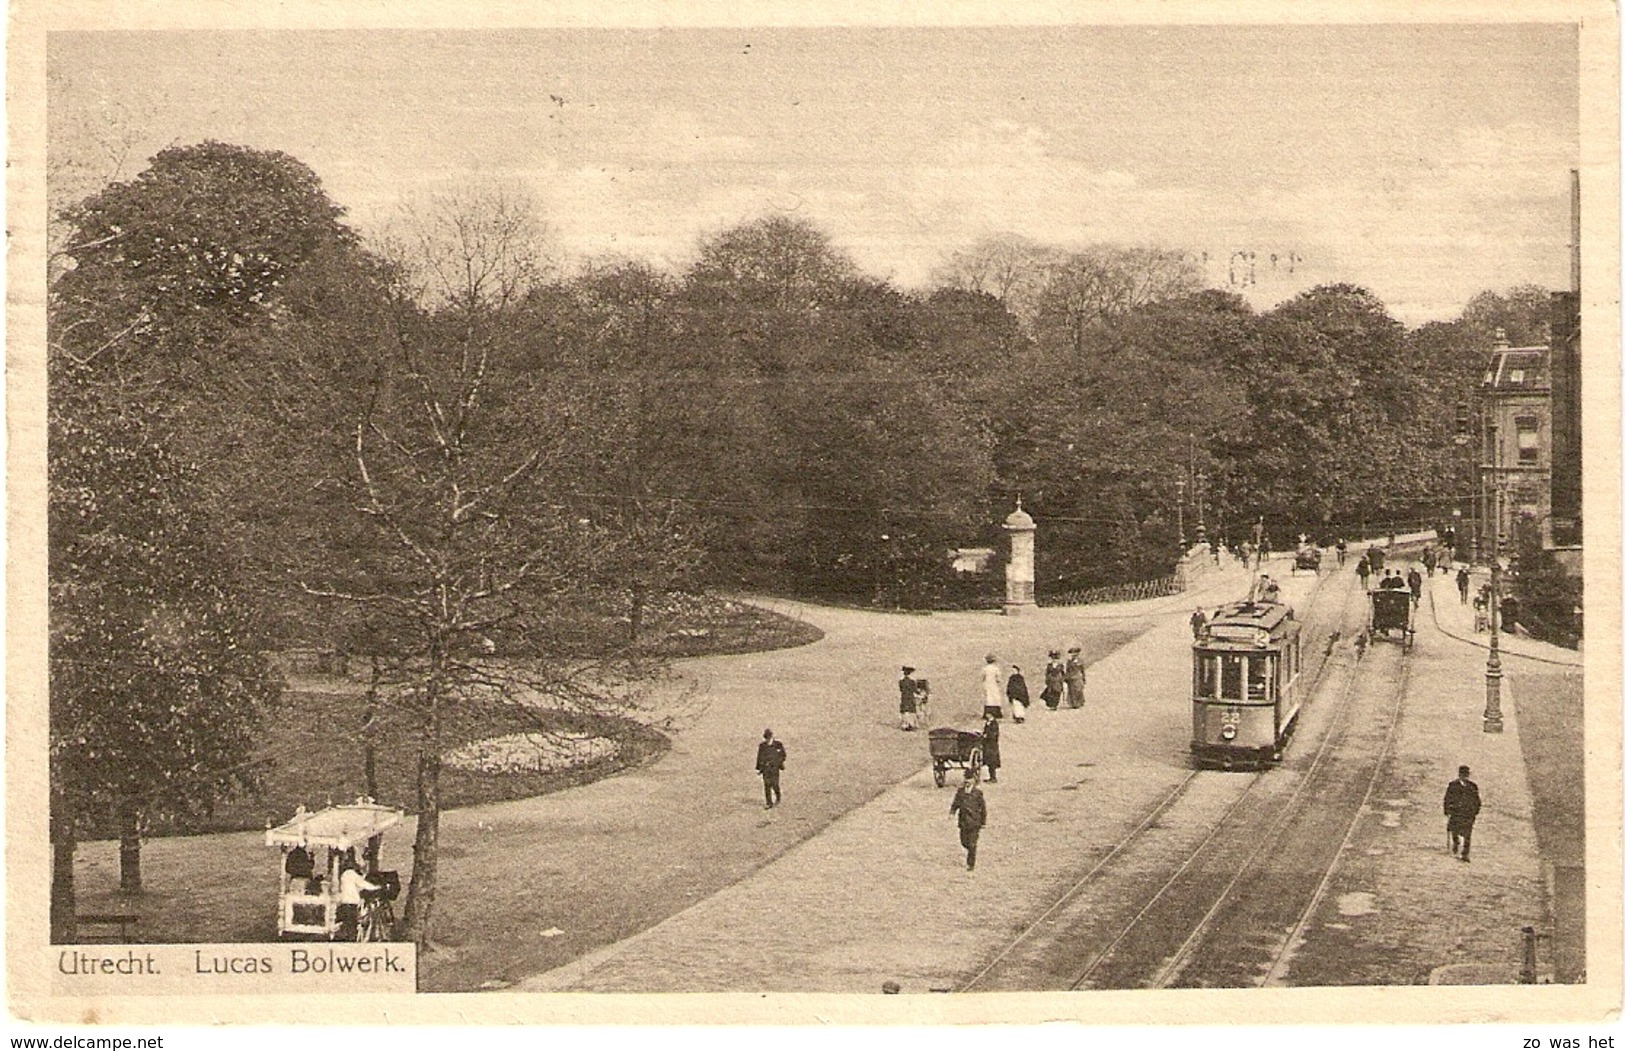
[992,689]
[1054,681]
[1342,550]
[908,693]
[971,807]
[1198,623]
[1076,677]
[769,762]
[1362,569]
[1461,806]
[922,701]
[1015,689]
[1464,583]
[990,749]
[1414,579]
[1430,561]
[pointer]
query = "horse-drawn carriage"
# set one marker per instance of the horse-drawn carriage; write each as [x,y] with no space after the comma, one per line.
[1393,617]
[951,747]
[1307,557]
[321,869]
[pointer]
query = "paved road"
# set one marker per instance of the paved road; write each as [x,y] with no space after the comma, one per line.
[882,894]
[600,863]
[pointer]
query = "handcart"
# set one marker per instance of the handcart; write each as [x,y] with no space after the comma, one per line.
[317,847]
[953,747]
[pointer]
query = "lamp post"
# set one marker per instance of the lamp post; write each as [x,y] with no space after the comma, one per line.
[1492,667]
[1201,512]
[1180,486]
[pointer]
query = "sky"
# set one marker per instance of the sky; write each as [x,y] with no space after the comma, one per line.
[1423,162]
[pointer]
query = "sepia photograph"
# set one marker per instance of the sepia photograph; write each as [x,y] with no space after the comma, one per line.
[891,507]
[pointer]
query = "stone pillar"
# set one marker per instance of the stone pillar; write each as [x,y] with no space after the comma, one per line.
[1018,572]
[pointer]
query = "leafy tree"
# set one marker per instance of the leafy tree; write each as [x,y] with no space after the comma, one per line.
[157,683]
[165,280]
[1523,312]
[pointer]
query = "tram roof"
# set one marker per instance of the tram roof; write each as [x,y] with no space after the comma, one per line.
[1267,615]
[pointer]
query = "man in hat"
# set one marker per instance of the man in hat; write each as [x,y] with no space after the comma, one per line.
[971,807]
[908,693]
[992,689]
[1461,806]
[769,761]
[1075,677]
[1198,623]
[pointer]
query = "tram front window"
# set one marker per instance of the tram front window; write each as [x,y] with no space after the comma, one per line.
[1230,677]
[1207,674]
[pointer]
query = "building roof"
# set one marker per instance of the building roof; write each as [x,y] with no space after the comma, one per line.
[1513,369]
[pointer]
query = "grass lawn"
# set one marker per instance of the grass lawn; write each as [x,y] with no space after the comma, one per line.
[313,751]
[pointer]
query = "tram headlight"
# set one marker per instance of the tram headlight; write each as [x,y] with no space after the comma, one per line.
[1229,732]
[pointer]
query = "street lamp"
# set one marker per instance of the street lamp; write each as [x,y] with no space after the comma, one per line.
[1180,485]
[1492,667]
[1201,513]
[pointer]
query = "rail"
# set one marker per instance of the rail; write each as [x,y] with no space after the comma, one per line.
[1140,589]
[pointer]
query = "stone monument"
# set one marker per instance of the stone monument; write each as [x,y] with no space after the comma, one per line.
[1018,572]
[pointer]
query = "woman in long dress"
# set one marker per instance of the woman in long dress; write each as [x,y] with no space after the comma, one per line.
[1054,681]
[992,689]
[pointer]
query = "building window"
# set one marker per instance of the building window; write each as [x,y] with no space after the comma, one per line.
[1528,439]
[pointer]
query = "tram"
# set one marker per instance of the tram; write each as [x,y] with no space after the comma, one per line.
[1245,692]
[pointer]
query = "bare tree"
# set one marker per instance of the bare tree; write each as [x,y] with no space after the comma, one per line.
[1009,267]
[451,539]
[475,248]
[1102,282]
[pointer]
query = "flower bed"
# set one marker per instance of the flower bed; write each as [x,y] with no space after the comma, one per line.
[532,753]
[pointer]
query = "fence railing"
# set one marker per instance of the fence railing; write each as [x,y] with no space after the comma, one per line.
[1158,588]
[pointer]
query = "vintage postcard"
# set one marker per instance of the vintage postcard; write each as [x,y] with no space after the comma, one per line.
[933,514]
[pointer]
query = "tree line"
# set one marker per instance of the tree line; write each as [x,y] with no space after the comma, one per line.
[440,452]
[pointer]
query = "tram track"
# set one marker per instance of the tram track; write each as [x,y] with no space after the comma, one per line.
[1247,936]
[1250,858]
[1100,911]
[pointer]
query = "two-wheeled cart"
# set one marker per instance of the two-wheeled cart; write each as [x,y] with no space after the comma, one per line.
[952,747]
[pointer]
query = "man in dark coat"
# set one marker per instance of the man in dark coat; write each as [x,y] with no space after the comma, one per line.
[1198,624]
[990,749]
[1461,806]
[1362,569]
[972,810]
[769,761]
[1414,579]
[1464,583]
[1077,677]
